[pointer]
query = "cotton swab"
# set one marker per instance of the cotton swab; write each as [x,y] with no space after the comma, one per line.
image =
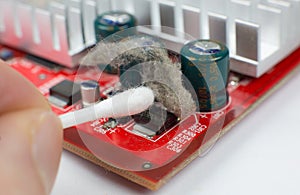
[130,102]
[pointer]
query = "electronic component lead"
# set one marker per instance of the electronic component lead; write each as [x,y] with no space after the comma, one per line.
[110,124]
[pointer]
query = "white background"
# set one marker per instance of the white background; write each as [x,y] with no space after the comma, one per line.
[260,155]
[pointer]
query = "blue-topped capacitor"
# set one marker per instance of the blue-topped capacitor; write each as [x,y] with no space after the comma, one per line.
[111,22]
[205,63]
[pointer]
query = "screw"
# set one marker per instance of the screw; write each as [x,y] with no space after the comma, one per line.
[42,76]
[147,165]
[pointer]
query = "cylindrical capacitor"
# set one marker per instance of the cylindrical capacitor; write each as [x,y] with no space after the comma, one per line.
[111,22]
[205,63]
[90,92]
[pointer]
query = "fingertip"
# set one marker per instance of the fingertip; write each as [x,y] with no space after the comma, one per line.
[30,148]
[47,148]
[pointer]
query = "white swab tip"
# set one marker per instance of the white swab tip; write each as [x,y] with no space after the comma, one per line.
[140,99]
[130,102]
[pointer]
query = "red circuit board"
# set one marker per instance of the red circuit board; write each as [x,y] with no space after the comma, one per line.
[151,162]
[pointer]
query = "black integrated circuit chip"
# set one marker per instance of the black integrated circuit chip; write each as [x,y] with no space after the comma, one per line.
[65,93]
[154,121]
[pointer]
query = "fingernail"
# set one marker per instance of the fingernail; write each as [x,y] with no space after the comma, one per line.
[47,148]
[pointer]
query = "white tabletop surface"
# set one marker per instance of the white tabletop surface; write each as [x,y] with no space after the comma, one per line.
[260,155]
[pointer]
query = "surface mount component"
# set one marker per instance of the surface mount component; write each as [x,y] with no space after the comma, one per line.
[64,93]
[110,124]
[154,121]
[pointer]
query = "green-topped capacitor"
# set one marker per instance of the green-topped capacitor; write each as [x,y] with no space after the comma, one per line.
[205,63]
[111,22]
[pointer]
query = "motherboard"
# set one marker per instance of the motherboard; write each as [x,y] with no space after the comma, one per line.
[228,62]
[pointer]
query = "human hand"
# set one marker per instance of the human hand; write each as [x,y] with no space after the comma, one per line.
[30,137]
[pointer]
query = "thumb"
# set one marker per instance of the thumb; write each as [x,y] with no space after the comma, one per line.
[30,148]
[30,137]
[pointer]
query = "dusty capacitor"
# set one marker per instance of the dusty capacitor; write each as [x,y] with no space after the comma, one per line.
[205,63]
[109,23]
